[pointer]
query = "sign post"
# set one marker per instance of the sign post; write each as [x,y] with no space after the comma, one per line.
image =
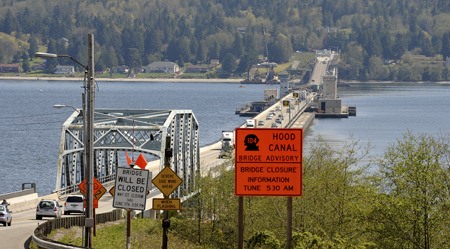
[166,181]
[268,162]
[130,190]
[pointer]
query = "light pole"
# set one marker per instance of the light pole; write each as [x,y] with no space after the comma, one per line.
[58,106]
[88,108]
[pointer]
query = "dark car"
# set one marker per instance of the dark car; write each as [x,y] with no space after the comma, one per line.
[5,215]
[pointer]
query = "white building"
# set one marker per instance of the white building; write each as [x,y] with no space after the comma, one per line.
[65,70]
[161,67]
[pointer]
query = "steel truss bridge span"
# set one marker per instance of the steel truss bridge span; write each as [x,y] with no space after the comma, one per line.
[120,131]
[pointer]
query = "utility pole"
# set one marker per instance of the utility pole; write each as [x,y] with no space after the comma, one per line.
[89,146]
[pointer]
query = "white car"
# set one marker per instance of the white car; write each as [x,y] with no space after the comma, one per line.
[48,208]
[5,215]
[74,204]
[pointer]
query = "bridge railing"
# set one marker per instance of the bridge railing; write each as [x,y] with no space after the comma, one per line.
[39,236]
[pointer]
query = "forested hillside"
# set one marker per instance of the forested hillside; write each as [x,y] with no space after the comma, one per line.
[379,39]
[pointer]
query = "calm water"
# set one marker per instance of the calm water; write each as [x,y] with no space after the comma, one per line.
[31,128]
[385,112]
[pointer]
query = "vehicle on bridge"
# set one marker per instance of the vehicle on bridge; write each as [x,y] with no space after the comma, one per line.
[227,144]
[250,123]
[48,208]
[74,204]
[5,215]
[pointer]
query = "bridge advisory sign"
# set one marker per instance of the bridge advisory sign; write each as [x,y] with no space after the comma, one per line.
[268,162]
[131,188]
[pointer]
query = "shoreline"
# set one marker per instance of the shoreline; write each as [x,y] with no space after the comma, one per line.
[145,80]
[174,80]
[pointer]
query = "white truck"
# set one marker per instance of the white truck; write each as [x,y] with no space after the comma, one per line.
[227,144]
[250,123]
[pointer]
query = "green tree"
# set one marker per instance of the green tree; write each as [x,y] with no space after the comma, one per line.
[400,45]
[7,50]
[411,210]
[238,45]
[108,57]
[50,64]
[445,49]
[246,61]
[26,66]
[335,193]
[179,50]
[229,63]
[377,70]
[201,52]
[33,46]
[280,49]
[9,23]
[353,62]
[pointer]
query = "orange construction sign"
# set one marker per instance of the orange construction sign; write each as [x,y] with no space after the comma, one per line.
[268,162]
[98,189]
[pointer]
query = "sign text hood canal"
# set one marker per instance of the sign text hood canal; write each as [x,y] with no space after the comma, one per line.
[268,162]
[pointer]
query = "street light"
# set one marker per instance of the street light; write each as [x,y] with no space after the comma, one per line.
[49,55]
[64,106]
[88,110]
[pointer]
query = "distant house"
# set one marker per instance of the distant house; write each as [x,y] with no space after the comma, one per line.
[161,67]
[9,68]
[120,69]
[65,69]
[214,62]
[196,69]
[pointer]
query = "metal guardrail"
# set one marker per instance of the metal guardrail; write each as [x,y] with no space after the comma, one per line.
[39,236]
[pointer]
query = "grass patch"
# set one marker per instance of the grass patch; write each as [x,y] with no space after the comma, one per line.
[145,233]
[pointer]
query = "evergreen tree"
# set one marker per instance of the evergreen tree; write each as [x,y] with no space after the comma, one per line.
[445,50]
[9,23]
[33,46]
[238,45]
[229,63]
[50,64]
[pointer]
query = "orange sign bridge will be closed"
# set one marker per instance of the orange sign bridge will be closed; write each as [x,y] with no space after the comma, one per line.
[268,162]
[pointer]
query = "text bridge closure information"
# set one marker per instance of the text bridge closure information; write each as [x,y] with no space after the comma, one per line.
[268,162]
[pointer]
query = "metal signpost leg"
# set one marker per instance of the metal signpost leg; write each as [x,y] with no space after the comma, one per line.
[241,223]
[289,224]
[128,228]
[166,220]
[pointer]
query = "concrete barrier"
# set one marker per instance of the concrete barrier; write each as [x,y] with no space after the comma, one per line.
[22,203]
[27,202]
